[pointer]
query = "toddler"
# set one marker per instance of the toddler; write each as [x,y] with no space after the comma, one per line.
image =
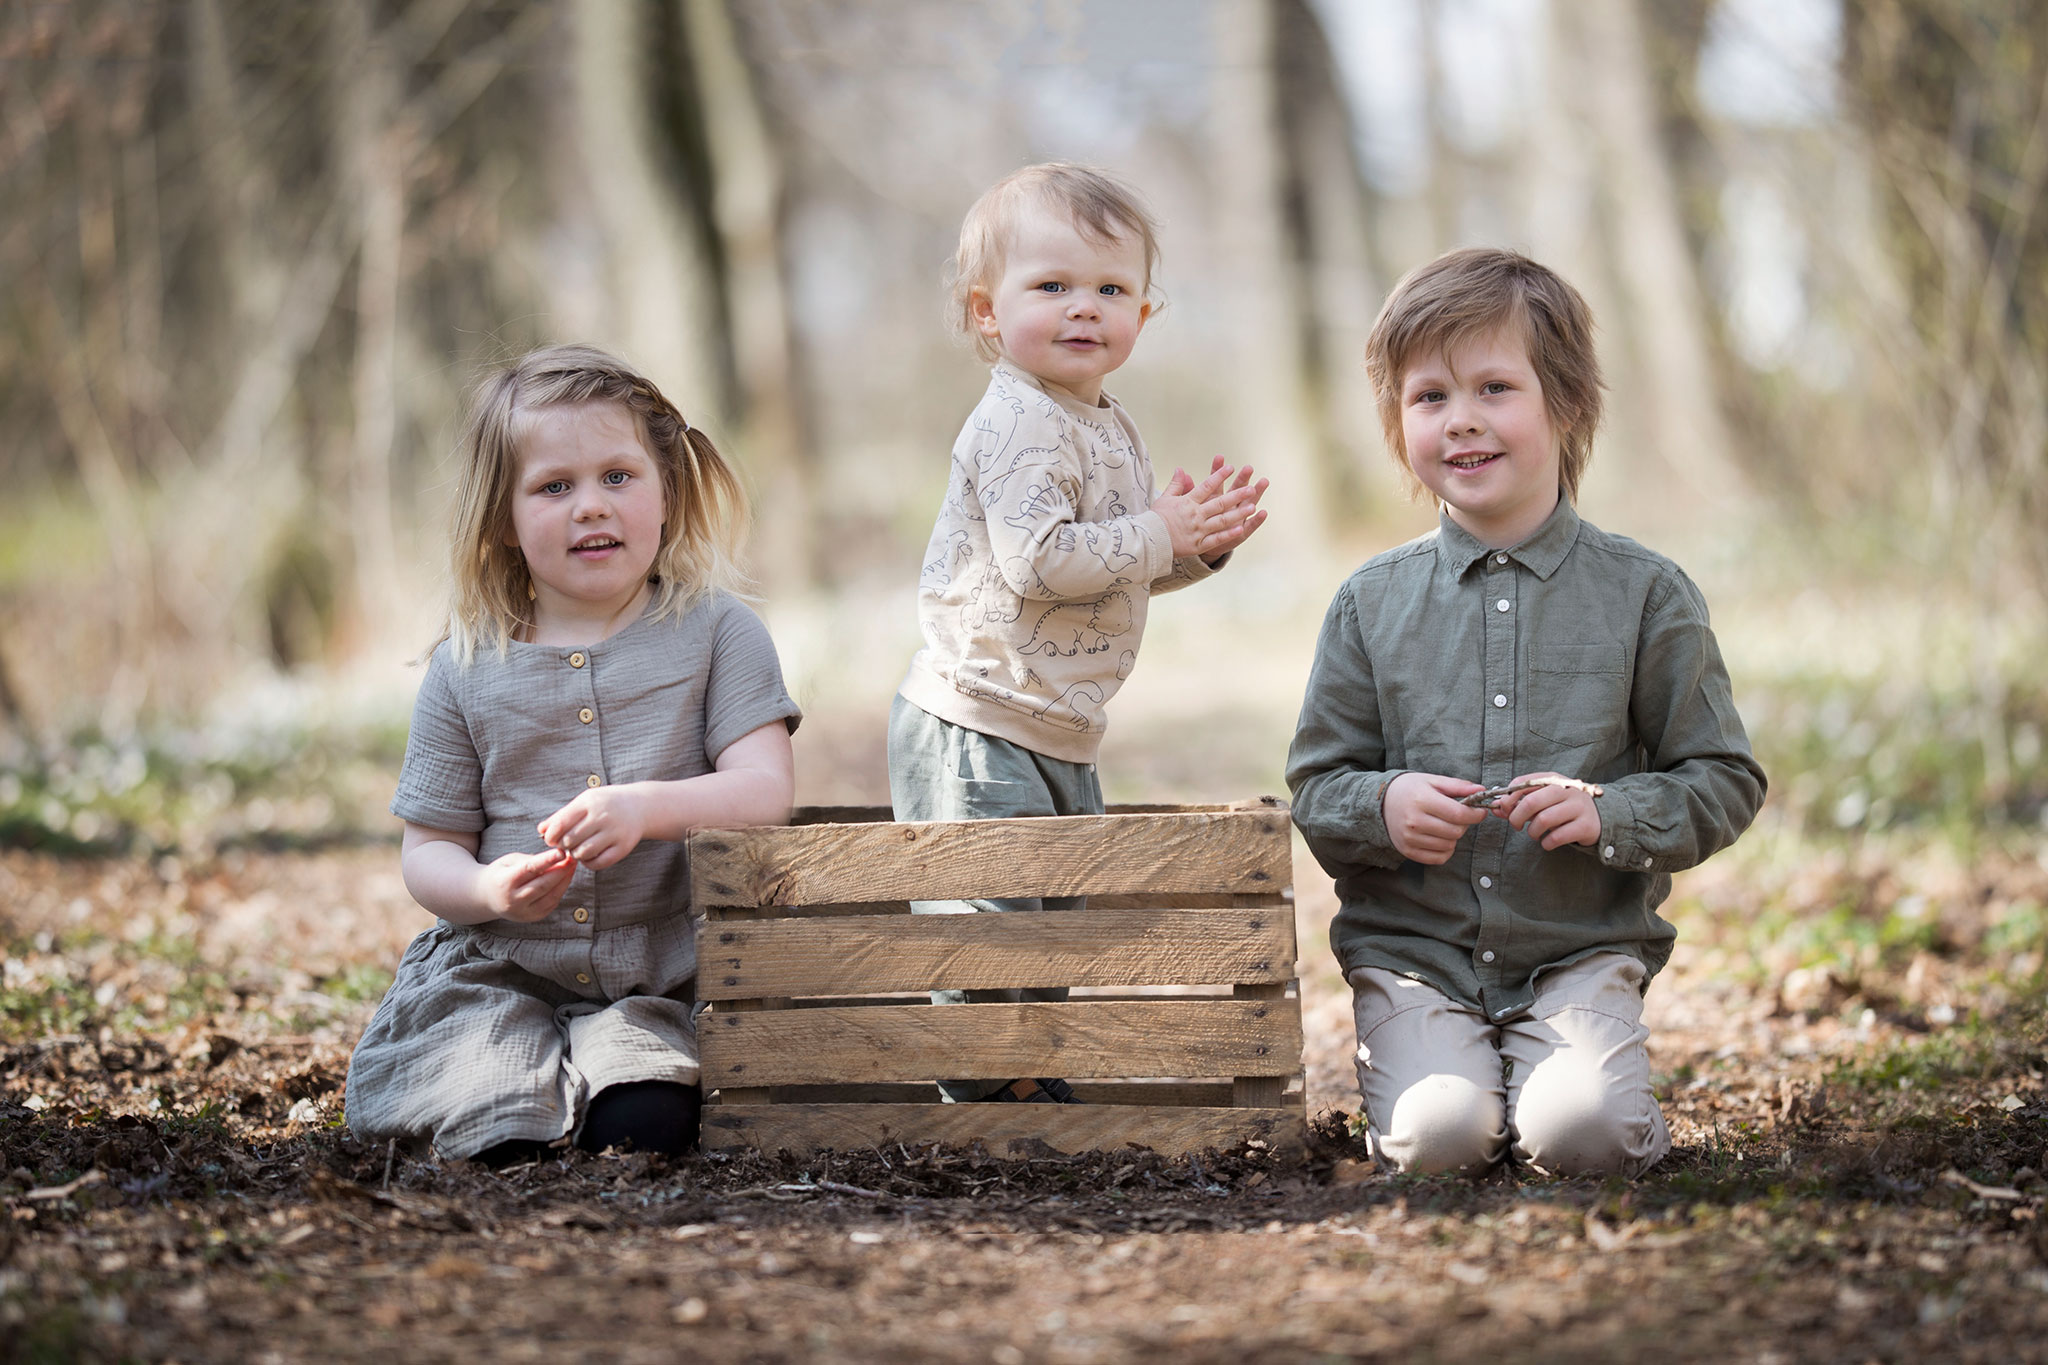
[598,695]
[1520,663]
[1051,542]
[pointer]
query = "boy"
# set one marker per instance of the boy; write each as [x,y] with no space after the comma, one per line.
[1050,543]
[1498,966]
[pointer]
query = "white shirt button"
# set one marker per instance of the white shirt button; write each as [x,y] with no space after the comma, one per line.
[1609,851]
[1501,605]
[1486,883]
[1500,559]
[1500,699]
[1649,862]
[1486,956]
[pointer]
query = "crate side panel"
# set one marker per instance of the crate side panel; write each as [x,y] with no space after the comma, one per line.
[1019,1130]
[1233,851]
[741,959]
[1170,1093]
[1075,1039]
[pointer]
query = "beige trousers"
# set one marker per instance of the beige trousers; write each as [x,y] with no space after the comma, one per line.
[1564,1087]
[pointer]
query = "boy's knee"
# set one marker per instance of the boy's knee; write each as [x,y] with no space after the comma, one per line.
[1443,1123]
[1571,1123]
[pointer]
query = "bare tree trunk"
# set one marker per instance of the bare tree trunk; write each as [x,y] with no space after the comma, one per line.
[1271,410]
[374,157]
[661,291]
[1334,283]
[746,206]
[1652,260]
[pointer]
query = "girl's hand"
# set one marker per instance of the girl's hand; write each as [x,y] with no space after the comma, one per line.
[599,827]
[1553,816]
[526,887]
[1424,818]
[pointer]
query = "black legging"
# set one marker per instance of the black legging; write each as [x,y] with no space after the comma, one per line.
[652,1116]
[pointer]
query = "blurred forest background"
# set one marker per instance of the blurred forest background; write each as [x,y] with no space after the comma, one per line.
[253,254]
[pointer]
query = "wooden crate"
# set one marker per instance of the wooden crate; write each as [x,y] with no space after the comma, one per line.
[1184,1032]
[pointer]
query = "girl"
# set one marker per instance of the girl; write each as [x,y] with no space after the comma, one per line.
[599,694]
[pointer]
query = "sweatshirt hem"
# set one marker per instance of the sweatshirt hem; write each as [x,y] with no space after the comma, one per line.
[942,699]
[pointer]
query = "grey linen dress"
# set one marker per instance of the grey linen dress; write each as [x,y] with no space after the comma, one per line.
[501,1031]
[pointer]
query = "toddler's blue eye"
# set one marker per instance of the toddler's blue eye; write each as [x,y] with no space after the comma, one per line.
[554,486]
[1496,387]
[1111,289]
[1053,287]
[616,477]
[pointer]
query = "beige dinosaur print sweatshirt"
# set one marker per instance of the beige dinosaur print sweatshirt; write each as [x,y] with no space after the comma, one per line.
[1046,553]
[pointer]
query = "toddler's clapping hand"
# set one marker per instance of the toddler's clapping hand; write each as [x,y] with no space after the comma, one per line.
[1208,518]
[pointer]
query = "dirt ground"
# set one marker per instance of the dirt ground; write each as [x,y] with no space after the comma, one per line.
[1858,1170]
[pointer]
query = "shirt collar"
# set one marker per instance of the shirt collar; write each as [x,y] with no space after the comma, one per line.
[1541,554]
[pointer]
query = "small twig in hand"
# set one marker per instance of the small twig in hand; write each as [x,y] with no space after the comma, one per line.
[390,1156]
[1487,798]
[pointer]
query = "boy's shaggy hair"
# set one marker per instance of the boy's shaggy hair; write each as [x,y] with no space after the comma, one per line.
[1104,209]
[704,504]
[1464,294]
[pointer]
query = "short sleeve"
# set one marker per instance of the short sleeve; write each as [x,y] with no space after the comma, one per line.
[441,785]
[744,691]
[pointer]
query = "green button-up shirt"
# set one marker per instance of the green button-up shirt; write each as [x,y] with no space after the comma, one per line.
[1577,652]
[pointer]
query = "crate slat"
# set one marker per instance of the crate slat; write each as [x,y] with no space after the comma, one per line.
[743,959]
[998,1041]
[1004,1129]
[1173,1094]
[1144,900]
[1233,851]
[859,815]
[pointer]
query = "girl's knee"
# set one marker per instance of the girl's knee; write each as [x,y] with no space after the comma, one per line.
[1442,1123]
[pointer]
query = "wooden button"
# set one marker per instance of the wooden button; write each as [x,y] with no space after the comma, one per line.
[586,715]
[583,978]
[582,915]
[593,781]
[576,659]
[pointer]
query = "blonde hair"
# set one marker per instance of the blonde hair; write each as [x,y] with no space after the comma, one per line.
[1102,207]
[1465,294]
[699,548]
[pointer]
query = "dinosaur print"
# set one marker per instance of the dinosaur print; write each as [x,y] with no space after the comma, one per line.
[939,571]
[1073,628]
[991,601]
[1085,690]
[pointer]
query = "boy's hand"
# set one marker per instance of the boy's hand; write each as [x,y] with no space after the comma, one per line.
[1424,818]
[1199,514]
[527,887]
[1553,816]
[599,827]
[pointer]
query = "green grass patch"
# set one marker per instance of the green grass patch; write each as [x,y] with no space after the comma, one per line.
[1978,1049]
[1867,754]
[186,792]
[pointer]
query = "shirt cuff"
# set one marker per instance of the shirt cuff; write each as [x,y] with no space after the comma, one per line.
[1619,845]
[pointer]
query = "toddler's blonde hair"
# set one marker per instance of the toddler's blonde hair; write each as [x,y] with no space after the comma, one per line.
[1468,293]
[1102,207]
[704,504]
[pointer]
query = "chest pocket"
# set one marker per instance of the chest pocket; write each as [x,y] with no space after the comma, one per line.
[1578,695]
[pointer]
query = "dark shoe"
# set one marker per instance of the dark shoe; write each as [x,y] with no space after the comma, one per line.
[1044,1090]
